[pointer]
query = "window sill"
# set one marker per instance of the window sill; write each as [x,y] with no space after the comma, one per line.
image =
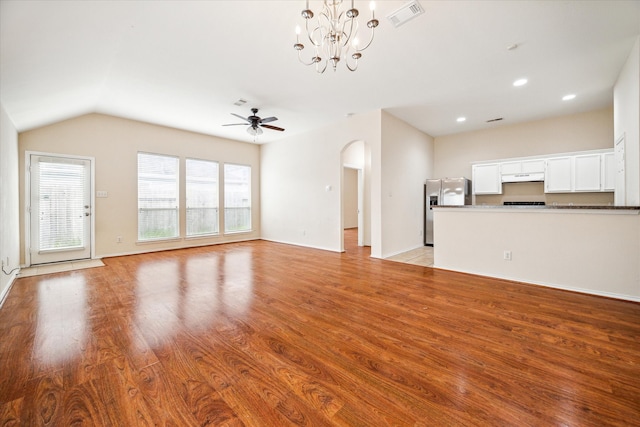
[228,233]
[147,242]
[202,236]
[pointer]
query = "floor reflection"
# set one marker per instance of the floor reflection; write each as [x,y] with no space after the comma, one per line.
[191,292]
[201,300]
[157,299]
[62,326]
[237,284]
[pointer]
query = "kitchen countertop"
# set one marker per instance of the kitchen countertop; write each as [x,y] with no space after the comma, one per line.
[544,207]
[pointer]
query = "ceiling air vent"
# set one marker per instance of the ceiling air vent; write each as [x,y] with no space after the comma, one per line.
[405,13]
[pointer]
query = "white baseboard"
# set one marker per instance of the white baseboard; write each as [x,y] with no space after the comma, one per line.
[322,248]
[5,293]
[146,251]
[554,286]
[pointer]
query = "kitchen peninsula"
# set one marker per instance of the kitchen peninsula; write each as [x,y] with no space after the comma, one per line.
[590,249]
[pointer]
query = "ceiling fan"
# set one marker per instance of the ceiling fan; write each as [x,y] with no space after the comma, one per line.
[255,123]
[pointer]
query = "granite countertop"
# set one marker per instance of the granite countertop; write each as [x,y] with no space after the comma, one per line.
[543,207]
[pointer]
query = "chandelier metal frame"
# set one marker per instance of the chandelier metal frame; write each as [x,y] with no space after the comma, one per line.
[333,35]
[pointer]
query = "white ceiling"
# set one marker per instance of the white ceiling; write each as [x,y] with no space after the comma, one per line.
[184,63]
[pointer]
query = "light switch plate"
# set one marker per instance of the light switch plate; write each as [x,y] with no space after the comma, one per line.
[102,194]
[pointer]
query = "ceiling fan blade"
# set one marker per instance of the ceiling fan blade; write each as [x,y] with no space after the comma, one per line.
[240,117]
[272,127]
[235,124]
[269,119]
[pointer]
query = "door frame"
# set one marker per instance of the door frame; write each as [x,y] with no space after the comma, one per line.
[27,200]
[360,202]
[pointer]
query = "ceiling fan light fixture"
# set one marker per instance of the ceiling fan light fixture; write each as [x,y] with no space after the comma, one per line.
[331,35]
[254,131]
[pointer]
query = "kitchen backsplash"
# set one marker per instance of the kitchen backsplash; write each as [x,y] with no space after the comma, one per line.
[534,192]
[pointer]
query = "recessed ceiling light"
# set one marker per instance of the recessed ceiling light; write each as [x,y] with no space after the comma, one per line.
[568,97]
[461,119]
[520,82]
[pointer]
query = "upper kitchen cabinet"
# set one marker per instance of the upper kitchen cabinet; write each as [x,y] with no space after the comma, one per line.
[486,179]
[577,172]
[587,172]
[558,175]
[592,172]
[522,166]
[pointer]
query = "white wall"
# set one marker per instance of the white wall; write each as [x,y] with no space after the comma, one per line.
[114,143]
[354,155]
[9,212]
[587,251]
[626,101]
[576,132]
[407,161]
[298,208]
[300,183]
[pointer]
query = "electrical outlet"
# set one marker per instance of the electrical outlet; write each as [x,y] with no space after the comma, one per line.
[507,255]
[119,239]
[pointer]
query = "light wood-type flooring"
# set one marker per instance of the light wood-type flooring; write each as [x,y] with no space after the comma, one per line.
[266,334]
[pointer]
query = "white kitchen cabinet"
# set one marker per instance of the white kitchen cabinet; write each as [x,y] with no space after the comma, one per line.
[587,172]
[522,166]
[558,175]
[608,172]
[533,166]
[510,168]
[584,171]
[486,179]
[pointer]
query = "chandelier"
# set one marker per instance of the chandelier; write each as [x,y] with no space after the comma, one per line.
[333,35]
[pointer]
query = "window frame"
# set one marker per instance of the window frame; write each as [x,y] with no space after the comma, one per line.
[178,234]
[186,199]
[224,198]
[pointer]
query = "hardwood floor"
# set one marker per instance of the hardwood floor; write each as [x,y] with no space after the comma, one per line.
[265,334]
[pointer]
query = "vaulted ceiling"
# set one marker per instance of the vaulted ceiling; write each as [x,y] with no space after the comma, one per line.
[183,64]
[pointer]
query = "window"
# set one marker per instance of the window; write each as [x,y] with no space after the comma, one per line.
[157,197]
[237,198]
[202,197]
[62,189]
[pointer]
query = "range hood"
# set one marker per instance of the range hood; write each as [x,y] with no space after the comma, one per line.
[523,177]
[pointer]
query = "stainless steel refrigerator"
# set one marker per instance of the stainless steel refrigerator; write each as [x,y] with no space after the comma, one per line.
[443,192]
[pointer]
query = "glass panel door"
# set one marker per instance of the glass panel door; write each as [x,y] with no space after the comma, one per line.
[60,211]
